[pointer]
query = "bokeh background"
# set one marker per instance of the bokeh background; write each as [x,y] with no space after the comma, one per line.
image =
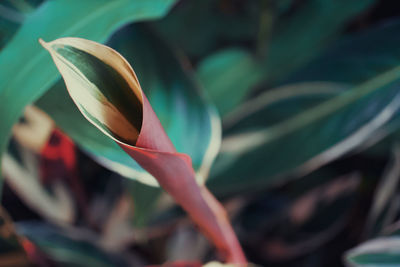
[289,109]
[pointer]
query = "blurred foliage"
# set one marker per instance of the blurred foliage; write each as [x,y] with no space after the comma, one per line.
[174,95]
[51,20]
[306,92]
[293,41]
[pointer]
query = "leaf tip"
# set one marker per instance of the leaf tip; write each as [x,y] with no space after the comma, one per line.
[44,44]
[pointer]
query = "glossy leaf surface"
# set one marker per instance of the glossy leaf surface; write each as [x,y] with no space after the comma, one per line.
[25,73]
[312,137]
[379,252]
[310,29]
[189,121]
[103,85]
[356,58]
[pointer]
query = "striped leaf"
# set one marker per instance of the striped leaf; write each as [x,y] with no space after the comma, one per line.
[102,84]
[24,72]
[189,121]
[306,138]
[111,88]
[379,252]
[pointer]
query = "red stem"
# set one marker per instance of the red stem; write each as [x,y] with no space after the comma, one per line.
[175,174]
[155,152]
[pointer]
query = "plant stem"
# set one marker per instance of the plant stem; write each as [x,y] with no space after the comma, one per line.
[175,175]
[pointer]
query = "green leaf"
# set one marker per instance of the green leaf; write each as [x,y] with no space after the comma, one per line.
[26,71]
[253,158]
[230,72]
[353,61]
[281,104]
[189,121]
[9,22]
[67,247]
[303,35]
[226,22]
[106,90]
[379,252]
[294,41]
[357,57]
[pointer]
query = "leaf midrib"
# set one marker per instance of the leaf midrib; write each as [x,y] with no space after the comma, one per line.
[325,109]
[339,102]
